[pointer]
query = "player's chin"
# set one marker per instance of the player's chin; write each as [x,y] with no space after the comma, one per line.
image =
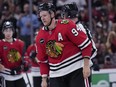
[45,23]
[8,37]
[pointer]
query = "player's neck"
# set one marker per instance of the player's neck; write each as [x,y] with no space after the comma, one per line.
[53,25]
[75,20]
[9,40]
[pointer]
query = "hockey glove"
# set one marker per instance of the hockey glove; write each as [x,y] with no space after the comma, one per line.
[26,66]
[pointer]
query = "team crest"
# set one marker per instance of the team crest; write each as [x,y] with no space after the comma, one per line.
[54,49]
[13,56]
[64,21]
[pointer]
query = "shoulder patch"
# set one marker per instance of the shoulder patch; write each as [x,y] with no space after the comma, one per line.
[64,21]
[41,41]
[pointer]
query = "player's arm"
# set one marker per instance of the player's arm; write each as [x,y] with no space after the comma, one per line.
[80,39]
[1,66]
[42,61]
[42,57]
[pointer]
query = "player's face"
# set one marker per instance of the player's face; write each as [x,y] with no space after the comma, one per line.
[8,33]
[45,17]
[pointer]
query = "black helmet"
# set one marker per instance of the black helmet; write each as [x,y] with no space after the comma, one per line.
[47,7]
[7,24]
[71,10]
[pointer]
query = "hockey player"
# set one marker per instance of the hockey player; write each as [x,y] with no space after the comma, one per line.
[70,11]
[64,51]
[11,50]
[30,55]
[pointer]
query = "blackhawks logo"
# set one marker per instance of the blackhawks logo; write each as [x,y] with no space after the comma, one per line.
[64,21]
[13,55]
[54,49]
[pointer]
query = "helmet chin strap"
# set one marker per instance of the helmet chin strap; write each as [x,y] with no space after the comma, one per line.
[50,22]
[46,27]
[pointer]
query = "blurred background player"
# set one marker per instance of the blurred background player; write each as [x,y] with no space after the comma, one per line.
[11,53]
[30,55]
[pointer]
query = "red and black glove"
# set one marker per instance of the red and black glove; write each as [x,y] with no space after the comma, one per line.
[26,66]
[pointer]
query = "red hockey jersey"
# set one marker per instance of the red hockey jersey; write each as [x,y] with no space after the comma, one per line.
[11,53]
[76,46]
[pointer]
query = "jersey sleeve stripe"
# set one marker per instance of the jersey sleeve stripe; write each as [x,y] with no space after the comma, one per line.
[84,44]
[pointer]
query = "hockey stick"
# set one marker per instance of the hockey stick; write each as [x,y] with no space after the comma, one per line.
[26,72]
[28,79]
[2,81]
